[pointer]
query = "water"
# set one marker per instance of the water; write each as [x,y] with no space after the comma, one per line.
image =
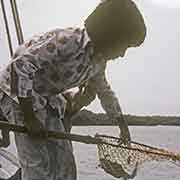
[160,136]
[165,137]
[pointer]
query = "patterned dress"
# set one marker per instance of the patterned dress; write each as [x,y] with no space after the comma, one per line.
[50,64]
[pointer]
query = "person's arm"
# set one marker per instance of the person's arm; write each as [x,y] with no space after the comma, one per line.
[31,122]
[110,103]
[84,98]
[23,71]
[22,75]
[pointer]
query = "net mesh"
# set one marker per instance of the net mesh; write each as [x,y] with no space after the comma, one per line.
[122,161]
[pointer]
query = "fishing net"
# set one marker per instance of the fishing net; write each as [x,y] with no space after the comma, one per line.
[117,159]
[122,161]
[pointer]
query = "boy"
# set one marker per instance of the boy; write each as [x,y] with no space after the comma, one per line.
[60,60]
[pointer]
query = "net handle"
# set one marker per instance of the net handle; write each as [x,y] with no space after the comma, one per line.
[132,142]
[50,134]
[83,139]
[161,152]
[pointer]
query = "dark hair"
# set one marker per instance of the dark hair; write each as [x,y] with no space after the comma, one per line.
[114,22]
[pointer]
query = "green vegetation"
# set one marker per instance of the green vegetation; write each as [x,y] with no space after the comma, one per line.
[85,117]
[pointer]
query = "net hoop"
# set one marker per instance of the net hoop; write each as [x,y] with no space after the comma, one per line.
[121,160]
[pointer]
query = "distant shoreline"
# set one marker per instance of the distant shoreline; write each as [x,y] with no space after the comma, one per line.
[88,118]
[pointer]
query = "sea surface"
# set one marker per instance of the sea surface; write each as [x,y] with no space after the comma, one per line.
[167,137]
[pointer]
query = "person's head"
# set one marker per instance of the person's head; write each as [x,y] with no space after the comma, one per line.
[114,26]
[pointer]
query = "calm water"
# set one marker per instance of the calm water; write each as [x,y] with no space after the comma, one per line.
[87,159]
[166,137]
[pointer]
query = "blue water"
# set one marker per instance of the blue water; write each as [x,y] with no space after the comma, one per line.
[161,136]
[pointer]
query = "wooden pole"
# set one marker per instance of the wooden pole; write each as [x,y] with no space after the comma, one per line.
[50,134]
[90,140]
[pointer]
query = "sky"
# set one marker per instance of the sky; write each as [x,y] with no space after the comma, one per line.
[167,3]
[147,80]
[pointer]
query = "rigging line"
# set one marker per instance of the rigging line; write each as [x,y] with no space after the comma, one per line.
[17,21]
[7,28]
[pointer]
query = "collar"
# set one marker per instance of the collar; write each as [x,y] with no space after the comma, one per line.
[86,38]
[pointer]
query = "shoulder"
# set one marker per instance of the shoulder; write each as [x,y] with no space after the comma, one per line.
[68,35]
[33,41]
[69,40]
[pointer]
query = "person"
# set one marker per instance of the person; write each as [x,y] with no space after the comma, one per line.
[10,111]
[70,111]
[59,60]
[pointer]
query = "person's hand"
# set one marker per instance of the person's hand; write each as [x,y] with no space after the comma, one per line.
[35,127]
[124,130]
[32,123]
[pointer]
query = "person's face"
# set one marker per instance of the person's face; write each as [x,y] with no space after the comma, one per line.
[119,50]
[115,52]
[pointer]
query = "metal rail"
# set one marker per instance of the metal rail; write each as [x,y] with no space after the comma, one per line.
[7,28]
[17,23]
